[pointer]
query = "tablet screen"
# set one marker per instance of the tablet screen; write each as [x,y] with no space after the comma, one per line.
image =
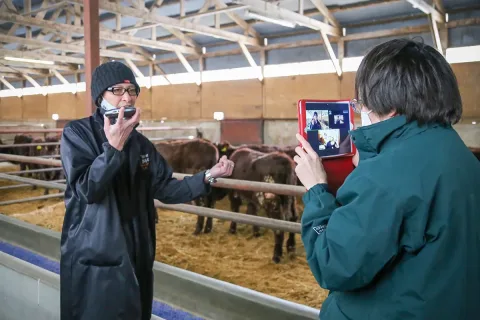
[327,127]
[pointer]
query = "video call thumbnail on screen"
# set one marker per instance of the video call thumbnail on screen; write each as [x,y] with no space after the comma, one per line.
[327,127]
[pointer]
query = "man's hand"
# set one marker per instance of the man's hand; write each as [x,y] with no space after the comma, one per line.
[223,168]
[118,133]
[309,167]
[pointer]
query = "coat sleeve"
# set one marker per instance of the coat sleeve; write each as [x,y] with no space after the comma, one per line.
[88,175]
[173,191]
[347,245]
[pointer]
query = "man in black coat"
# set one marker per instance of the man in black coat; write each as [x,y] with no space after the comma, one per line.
[113,176]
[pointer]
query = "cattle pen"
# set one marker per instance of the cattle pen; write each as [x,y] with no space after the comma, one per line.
[230,301]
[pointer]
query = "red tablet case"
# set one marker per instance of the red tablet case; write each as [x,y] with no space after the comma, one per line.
[336,167]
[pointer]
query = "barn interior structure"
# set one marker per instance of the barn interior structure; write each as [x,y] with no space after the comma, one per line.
[227,72]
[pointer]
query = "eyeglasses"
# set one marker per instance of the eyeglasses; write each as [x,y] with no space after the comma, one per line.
[120,91]
[357,105]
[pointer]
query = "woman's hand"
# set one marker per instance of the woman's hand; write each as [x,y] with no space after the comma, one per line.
[309,168]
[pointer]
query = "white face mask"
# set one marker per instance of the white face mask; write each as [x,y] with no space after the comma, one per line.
[106,105]
[365,118]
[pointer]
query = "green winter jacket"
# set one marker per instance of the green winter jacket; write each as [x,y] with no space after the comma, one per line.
[401,240]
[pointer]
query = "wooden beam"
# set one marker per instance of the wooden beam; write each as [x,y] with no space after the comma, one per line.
[175,23]
[435,34]
[23,70]
[104,34]
[180,35]
[59,76]
[70,47]
[40,56]
[10,74]
[270,10]
[32,81]
[242,23]
[250,60]
[331,54]
[6,83]
[439,6]
[427,9]
[197,15]
[92,49]
[184,62]
[298,44]
[324,11]
[134,68]
[25,64]
[60,4]
[10,6]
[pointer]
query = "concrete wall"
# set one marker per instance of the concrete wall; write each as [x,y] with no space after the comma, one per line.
[27,291]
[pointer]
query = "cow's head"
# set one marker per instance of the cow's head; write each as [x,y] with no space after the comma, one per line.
[225,149]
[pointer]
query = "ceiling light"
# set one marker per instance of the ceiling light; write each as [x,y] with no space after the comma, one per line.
[29,60]
[284,23]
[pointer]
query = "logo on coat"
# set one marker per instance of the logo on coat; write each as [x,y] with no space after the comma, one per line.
[144,161]
[320,229]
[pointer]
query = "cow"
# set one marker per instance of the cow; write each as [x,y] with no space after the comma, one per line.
[225,148]
[272,167]
[23,151]
[45,151]
[190,157]
[476,152]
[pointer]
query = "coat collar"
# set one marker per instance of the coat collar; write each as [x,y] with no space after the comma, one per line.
[372,139]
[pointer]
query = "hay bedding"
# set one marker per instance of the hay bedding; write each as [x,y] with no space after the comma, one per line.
[240,259]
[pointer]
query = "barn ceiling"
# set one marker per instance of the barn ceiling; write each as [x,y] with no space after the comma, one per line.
[148,35]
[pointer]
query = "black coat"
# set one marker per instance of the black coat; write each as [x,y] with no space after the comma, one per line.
[108,236]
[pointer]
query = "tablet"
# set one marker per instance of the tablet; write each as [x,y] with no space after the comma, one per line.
[325,124]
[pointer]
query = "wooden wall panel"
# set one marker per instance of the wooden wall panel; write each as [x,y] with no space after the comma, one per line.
[176,102]
[64,104]
[144,101]
[11,108]
[35,107]
[282,94]
[276,98]
[80,108]
[468,75]
[241,99]
[347,86]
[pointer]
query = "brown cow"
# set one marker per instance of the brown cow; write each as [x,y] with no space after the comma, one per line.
[225,148]
[23,151]
[273,167]
[476,152]
[190,157]
[45,151]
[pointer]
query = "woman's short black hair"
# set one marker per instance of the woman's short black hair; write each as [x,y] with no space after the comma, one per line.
[411,78]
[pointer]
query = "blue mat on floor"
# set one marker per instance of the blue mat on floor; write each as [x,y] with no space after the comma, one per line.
[159,309]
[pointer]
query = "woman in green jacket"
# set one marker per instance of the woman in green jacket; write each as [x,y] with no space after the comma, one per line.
[401,239]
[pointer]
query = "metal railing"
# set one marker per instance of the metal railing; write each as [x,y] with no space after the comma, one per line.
[139,128]
[225,183]
[268,223]
[23,145]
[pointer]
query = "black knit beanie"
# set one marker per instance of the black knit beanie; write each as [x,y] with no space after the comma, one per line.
[109,74]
